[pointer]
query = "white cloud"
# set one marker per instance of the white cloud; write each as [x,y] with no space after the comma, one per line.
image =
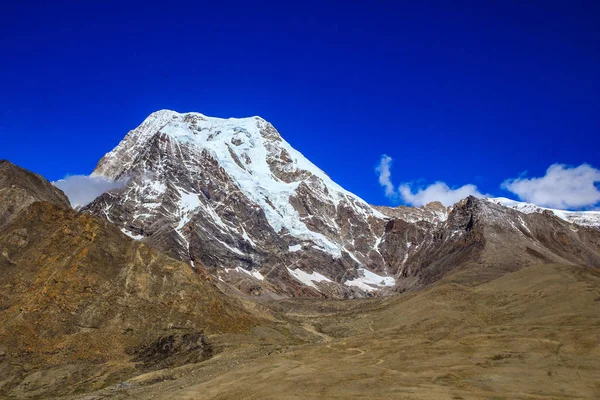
[438,191]
[82,189]
[562,187]
[383,170]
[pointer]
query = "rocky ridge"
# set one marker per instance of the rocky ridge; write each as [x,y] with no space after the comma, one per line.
[584,218]
[487,239]
[434,212]
[19,188]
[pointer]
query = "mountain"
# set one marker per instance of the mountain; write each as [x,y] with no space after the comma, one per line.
[584,218]
[82,305]
[19,188]
[484,240]
[233,196]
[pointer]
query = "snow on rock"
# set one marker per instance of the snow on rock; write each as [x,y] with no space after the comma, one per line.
[188,203]
[294,248]
[132,235]
[308,279]
[255,274]
[584,218]
[370,281]
[243,151]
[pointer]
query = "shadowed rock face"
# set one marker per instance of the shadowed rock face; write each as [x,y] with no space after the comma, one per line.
[490,237]
[175,349]
[19,188]
[92,307]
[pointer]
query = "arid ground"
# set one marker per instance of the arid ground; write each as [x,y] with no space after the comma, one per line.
[532,334]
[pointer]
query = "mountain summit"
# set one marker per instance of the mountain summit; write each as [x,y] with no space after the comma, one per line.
[233,195]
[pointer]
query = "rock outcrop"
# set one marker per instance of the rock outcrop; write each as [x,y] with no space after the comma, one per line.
[19,188]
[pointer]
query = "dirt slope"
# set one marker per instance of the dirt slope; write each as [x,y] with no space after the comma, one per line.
[82,306]
[531,334]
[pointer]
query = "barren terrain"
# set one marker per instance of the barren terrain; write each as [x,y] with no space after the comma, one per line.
[531,334]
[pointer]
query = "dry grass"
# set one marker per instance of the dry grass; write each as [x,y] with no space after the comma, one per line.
[532,334]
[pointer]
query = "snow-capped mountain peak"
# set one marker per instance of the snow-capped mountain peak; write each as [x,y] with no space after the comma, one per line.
[200,185]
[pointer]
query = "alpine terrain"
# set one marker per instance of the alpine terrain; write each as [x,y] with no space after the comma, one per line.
[218,269]
[232,196]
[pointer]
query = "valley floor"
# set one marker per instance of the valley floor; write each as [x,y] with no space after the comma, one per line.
[532,334]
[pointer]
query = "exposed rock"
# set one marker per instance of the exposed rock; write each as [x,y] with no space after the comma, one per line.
[19,188]
[234,196]
[491,237]
[174,349]
[433,212]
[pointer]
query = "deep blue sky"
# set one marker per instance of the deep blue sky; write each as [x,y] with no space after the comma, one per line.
[460,92]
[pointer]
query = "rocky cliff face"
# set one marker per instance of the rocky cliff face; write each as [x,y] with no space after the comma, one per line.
[19,188]
[232,195]
[434,212]
[486,240]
